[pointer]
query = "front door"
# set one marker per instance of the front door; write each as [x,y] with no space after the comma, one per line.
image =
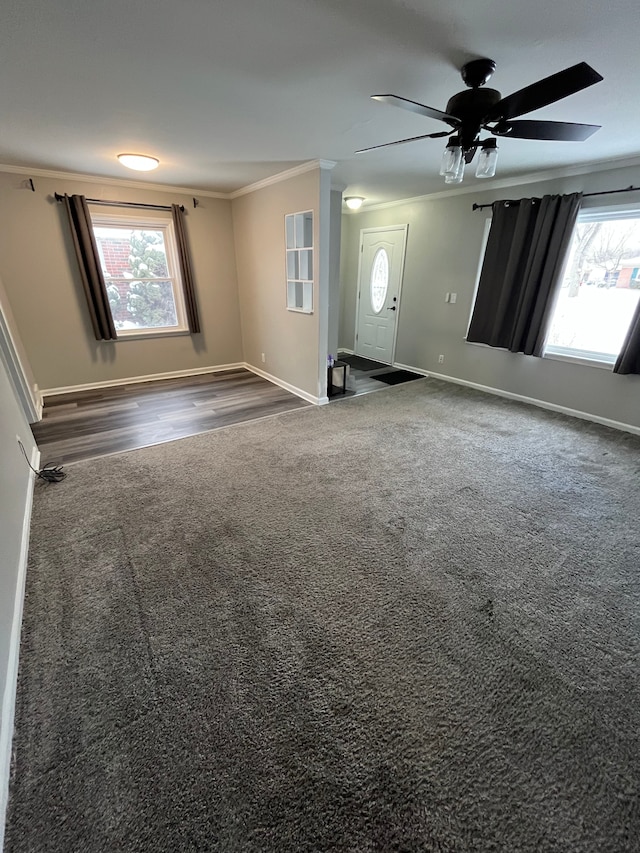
[381,265]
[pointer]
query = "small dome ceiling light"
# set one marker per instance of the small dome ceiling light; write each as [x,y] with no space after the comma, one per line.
[354,202]
[139,162]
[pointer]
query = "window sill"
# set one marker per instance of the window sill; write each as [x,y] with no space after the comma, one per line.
[575,359]
[554,356]
[143,336]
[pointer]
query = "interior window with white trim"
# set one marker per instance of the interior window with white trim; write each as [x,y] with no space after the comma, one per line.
[600,287]
[139,261]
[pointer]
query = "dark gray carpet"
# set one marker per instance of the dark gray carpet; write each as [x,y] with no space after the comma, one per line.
[410,622]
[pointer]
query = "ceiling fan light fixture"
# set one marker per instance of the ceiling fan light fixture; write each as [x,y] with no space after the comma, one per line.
[480,108]
[354,202]
[452,159]
[139,162]
[487,159]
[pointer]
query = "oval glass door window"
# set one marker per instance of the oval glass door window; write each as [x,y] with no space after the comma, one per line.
[379,283]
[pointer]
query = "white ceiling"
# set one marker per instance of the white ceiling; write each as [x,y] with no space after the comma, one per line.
[227,92]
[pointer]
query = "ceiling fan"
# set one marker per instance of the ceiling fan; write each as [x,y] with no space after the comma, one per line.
[471,111]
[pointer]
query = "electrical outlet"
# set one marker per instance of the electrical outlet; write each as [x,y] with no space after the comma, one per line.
[263,358]
[453,297]
[441,359]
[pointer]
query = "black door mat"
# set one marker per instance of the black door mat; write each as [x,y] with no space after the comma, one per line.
[357,362]
[396,377]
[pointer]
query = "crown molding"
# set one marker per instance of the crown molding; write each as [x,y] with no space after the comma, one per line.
[513,181]
[170,188]
[116,182]
[282,176]
[500,183]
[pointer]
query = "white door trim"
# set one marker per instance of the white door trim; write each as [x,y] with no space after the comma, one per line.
[377,230]
[30,403]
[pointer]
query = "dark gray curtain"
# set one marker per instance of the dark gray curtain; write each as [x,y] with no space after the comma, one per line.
[185,268]
[525,253]
[629,359]
[90,268]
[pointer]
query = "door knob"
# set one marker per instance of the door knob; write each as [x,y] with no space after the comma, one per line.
[392,308]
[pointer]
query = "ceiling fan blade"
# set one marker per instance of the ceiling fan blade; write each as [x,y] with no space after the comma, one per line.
[544,92]
[562,131]
[420,109]
[402,141]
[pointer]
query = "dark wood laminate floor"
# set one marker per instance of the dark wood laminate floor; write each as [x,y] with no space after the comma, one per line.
[94,423]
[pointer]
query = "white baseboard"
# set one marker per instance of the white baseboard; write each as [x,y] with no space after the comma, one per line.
[39,403]
[9,694]
[132,380]
[317,401]
[176,374]
[520,398]
[345,349]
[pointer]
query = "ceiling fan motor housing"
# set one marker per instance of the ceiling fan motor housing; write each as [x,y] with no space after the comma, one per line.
[478,72]
[472,107]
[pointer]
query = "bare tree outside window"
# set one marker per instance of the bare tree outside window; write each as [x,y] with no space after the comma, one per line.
[599,290]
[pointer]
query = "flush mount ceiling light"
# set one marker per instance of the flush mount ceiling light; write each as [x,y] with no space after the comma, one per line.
[354,202]
[139,162]
[479,108]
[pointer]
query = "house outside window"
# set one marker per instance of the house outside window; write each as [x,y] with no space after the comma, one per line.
[600,288]
[139,260]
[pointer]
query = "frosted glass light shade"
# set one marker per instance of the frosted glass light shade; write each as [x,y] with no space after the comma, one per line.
[487,160]
[139,162]
[451,159]
[354,202]
[456,177]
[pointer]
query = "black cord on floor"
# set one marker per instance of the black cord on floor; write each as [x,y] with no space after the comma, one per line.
[50,473]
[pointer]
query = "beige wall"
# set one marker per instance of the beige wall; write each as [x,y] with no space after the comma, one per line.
[443,252]
[40,276]
[289,340]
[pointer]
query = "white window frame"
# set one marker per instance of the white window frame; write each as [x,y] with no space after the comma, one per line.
[571,354]
[142,222]
[483,251]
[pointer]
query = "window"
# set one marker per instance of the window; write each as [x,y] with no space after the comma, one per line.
[600,288]
[141,272]
[379,283]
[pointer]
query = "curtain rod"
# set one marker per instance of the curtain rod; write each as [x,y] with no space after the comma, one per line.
[630,189]
[137,204]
